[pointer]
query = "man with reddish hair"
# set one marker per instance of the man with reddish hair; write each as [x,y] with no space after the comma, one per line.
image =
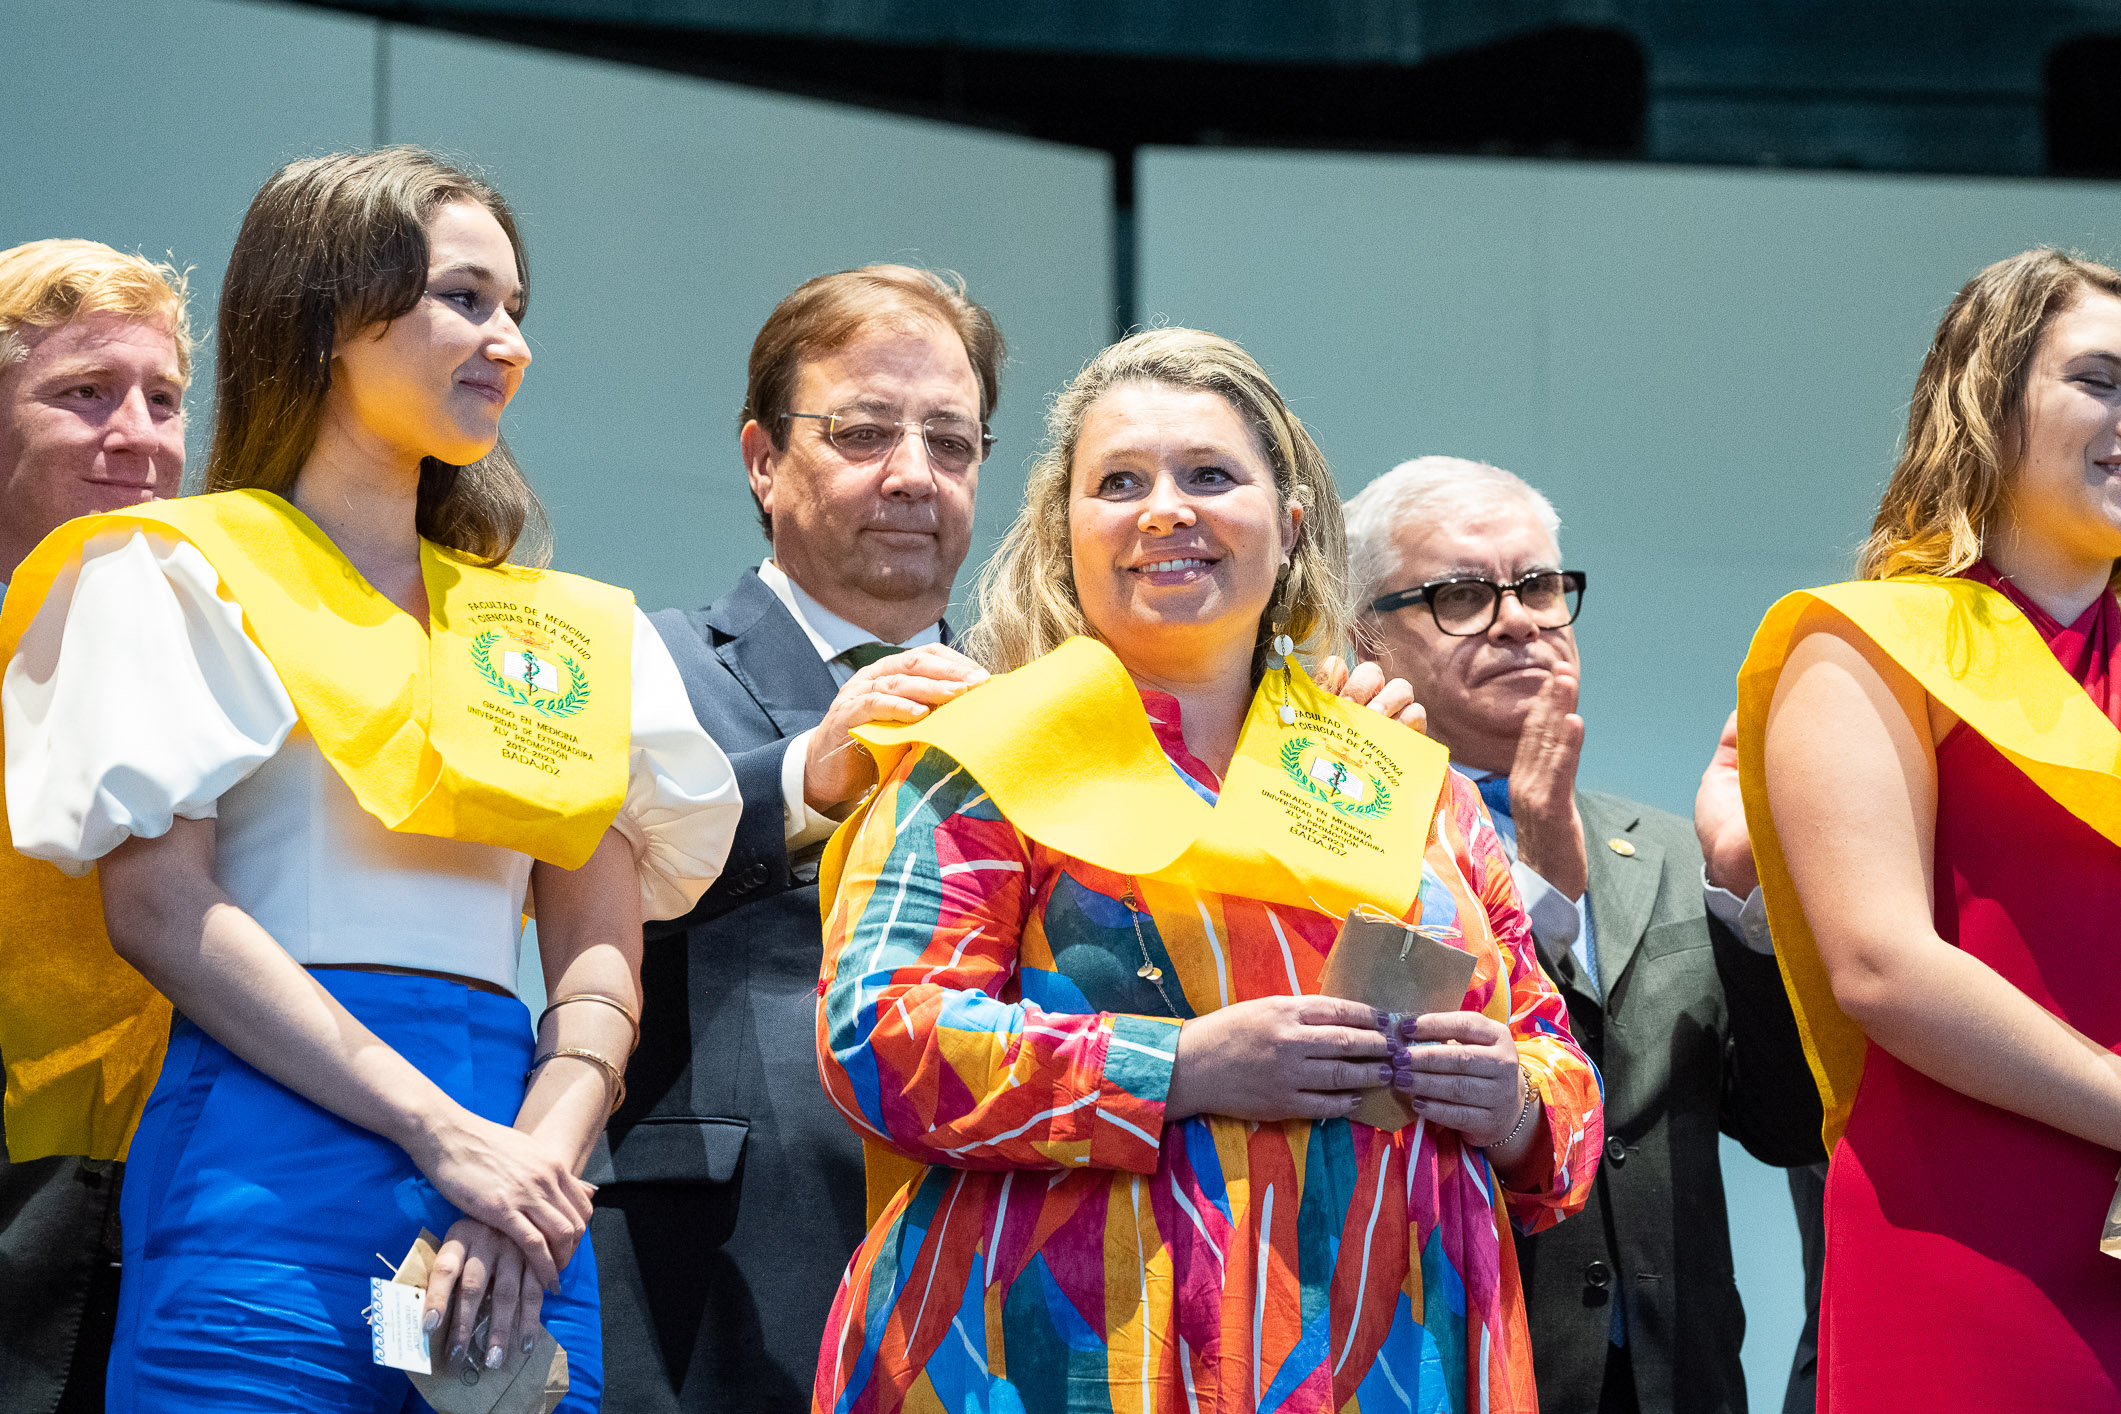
[95,353]
[733,1191]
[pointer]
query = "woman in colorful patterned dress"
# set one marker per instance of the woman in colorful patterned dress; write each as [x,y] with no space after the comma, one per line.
[1929,763]
[1142,1191]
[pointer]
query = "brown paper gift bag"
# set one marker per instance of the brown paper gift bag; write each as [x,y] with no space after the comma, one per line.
[525,1384]
[1389,965]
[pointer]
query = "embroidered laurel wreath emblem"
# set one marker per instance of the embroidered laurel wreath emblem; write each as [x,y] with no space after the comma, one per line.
[1292,761]
[560,704]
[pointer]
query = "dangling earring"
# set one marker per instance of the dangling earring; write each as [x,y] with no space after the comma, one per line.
[1279,647]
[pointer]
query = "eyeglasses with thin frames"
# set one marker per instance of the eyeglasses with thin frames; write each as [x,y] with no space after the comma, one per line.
[1468,605]
[954,444]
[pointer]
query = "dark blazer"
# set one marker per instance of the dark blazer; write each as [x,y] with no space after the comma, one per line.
[1694,1037]
[731,1191]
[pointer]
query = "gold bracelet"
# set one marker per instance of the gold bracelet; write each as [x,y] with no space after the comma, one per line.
[617,1074]
[613,1002]
[1523,1114]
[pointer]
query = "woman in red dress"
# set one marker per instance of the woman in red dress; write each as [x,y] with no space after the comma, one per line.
[1940,809]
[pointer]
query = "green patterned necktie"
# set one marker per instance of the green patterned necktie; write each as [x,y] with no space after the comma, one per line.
[861,657]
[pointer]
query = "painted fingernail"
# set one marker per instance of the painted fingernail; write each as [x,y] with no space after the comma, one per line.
[1384,1075]
[494,1357]
[431,1321]
[1406,1028]
[1384,1020]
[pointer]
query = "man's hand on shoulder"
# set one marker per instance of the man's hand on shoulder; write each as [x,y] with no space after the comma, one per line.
[1368,687]
[1543,789]
[904,687]
[1719,819]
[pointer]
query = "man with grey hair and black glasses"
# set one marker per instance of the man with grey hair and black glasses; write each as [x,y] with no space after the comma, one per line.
[1670,978]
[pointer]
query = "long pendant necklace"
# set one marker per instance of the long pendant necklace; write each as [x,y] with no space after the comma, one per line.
[1281,647]
[1149,972]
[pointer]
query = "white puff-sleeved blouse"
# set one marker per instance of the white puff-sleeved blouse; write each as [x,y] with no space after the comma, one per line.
[135,697]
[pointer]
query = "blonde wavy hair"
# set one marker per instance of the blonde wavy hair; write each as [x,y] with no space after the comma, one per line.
[1965,424]
[45,284]
[1027,595]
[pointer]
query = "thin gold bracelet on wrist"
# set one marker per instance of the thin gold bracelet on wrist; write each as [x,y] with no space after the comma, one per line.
[615,1073]
[1522,1115]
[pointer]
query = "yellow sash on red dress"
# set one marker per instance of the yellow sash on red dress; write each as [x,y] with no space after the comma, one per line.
[507,721]
[1973,651]
[1325,806]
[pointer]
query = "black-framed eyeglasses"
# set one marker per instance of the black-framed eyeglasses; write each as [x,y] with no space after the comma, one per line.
[954,443]
[1465,605]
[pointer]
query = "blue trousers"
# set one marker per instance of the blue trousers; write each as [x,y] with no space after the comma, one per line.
[254,1219]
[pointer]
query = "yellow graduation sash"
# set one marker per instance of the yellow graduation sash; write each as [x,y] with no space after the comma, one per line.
[1326,810]
[82,1033]
[1971,649]
[507,722]
[1325,806]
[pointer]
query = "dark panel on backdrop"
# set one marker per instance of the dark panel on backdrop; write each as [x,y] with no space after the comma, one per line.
[2082,108]
[1566,90]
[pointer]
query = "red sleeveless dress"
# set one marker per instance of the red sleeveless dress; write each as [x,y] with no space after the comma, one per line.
[1963,1270]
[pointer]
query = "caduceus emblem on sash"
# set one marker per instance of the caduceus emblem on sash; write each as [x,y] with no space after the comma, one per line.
[1325,776]
[530,673]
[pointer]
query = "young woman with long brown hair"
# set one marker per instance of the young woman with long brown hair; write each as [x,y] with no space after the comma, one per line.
[325,745]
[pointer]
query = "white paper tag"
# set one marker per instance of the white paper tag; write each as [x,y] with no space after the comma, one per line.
[394,1325]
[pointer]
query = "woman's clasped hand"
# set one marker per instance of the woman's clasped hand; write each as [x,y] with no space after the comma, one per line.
[1459,1069]
[527,1212]
[1313,1057]
[1276,1058]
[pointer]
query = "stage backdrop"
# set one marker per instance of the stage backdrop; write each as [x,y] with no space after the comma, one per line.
[1707,371]
[663,216]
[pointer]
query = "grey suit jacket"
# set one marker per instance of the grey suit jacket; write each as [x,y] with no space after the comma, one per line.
[1693,1038]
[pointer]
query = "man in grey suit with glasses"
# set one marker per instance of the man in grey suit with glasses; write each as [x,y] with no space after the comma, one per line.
[732,1193]
[1670,977]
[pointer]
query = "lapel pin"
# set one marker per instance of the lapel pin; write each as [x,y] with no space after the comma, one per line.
[1620,847]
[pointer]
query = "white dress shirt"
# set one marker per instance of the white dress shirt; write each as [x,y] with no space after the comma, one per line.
[831,636]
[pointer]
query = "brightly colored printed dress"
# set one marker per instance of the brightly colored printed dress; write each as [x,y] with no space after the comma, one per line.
[984,1010]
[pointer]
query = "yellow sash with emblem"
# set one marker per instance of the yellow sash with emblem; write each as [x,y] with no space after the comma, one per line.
[1325,806]
[506,721]
[1971,649]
